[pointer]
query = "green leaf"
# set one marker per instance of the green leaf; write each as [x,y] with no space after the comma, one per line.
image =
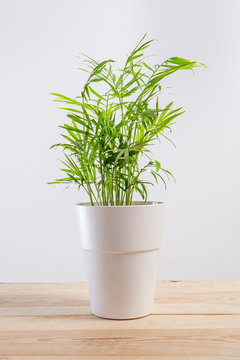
[96,94]
[73,129]
[158,166]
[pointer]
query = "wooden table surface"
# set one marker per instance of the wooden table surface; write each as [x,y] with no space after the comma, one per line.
[191,320]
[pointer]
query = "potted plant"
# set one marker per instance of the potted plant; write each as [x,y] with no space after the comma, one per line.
[108,132]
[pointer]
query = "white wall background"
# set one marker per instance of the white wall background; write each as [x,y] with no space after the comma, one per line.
[39,42]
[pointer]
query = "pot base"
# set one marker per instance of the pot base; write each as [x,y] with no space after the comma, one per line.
[122,318]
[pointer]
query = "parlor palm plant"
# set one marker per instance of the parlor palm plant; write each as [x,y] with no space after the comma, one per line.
[108,132]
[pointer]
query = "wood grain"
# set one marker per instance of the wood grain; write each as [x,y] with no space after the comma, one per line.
[191,320]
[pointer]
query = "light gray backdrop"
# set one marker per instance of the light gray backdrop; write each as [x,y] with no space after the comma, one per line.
[39,44]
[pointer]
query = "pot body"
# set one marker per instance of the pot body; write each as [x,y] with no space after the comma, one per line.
[121,249]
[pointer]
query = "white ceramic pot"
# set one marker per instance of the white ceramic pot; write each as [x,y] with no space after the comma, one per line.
[121,247]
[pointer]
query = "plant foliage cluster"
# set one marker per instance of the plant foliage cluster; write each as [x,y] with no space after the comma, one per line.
[107,133]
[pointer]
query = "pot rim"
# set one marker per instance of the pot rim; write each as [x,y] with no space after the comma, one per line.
[135,204]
